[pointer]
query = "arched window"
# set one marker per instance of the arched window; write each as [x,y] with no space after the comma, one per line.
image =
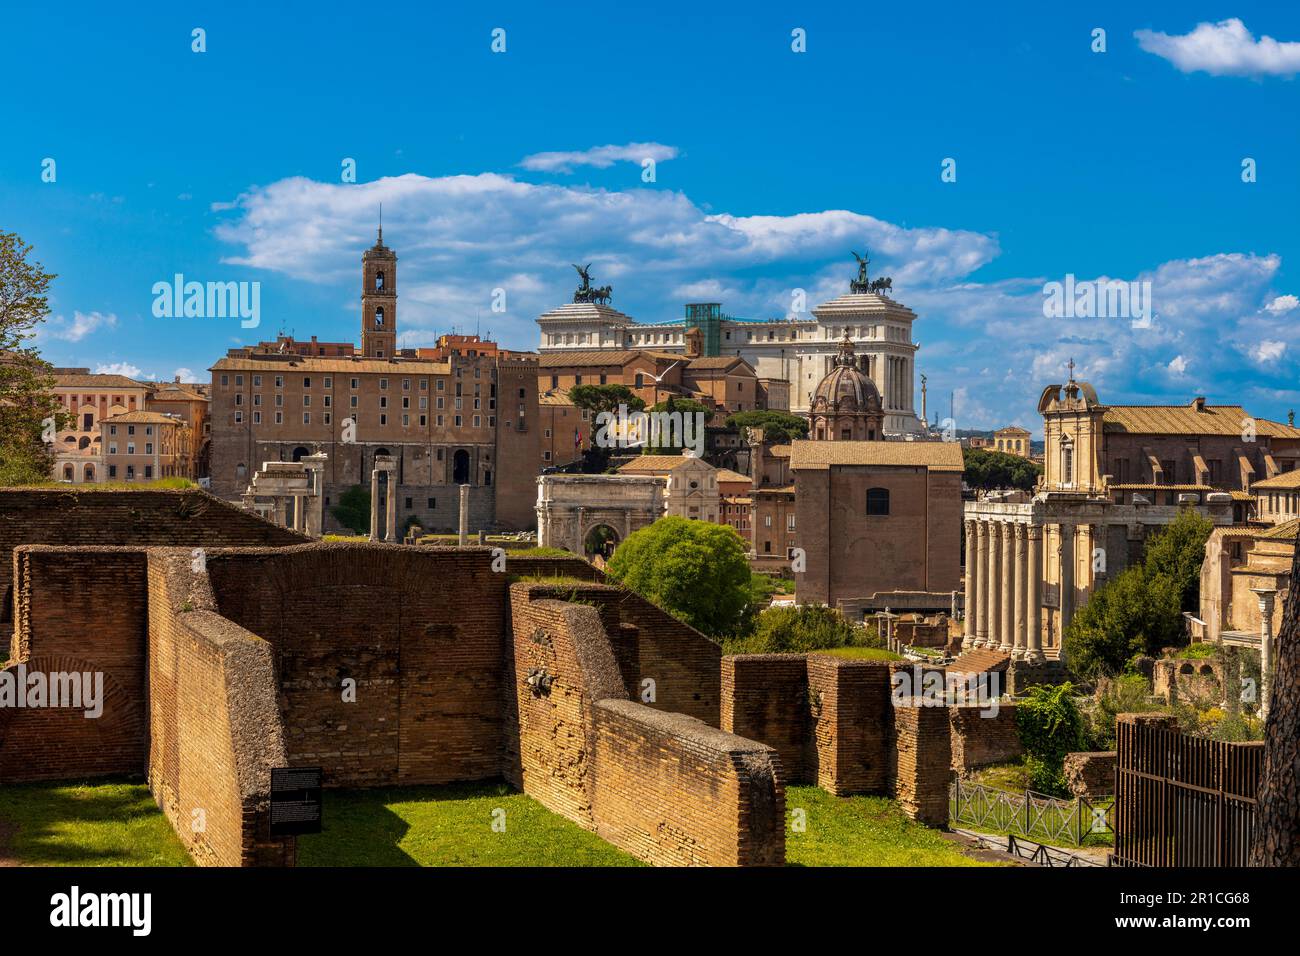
[89,473]
[877,501]
[460,468]
[379,280]
[379,317]
[83,442]
[299,453]
[67,472]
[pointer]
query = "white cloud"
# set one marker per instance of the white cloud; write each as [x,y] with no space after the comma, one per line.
[81,325]
[1225,48]
[1178,365]
[602,157]
[1268,351]
[123,368]
[1283,303]
[460,237]
[185,374]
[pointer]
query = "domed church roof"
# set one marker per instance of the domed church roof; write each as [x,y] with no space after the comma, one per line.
[846,388]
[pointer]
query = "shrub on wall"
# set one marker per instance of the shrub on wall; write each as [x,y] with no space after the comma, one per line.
[694,570]
[1050,726]
[795,630]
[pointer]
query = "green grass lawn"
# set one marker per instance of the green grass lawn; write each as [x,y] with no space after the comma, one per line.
[862,653]
[861,831]
[105,823]
[449,826]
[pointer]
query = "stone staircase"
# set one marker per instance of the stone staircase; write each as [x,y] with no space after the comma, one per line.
[980,660]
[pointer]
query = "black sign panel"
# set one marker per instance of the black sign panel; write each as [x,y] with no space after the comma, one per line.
[295,800]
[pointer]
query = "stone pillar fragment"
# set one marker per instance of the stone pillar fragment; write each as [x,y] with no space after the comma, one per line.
[970,637]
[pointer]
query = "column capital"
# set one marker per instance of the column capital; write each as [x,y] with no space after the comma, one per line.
[1020,531]
[981,528]
[1035,532]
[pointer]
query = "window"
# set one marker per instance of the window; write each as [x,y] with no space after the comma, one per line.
[279,418]
[877,501]
[306,383]
[329,381]
[257,418]
[408,504]
[306,418]
[148,471]
[354,383]
[383,384]
[279,381]
[433,503]
[148,448]
[306,401]
[383,419]
[257,381]
[379,317]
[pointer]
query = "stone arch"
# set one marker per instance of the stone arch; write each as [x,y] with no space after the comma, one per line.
[600,540]
[460,467]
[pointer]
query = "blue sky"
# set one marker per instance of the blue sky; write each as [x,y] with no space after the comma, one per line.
[771,165]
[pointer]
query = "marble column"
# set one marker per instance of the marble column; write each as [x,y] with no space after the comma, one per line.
[972,584]
[981,583]
[1018,643]
[1066,532]
[390,517]
[1266,598]
[1034,580]
[1007,598]
[994,584]
[374,505]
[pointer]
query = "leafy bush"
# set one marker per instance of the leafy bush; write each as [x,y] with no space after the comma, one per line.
[695,570]
[1198,652]
[995,469]
[1050,726]
[1127,694]
[777,426]
[796,630]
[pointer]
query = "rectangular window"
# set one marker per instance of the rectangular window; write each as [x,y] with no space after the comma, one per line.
[257,418]
[279,381]
[279,418]
[408,504]
[329,381]
[383,419]
[148,448]
[433,503]
[148,471]
[306,401]
[112,471]
[306,418]
[257,381]
[306,382]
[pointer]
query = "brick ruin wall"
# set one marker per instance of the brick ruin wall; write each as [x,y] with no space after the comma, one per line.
[981,738]
[215,727]
[109,518]
[418,630]
[78,612]
[833,722]
[666,787]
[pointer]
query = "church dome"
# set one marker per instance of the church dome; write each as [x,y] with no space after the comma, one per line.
[846,388]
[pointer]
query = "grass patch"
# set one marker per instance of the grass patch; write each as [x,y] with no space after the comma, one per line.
[449,826]
[862,831]
[862,653]
[104,823]
[1003,776]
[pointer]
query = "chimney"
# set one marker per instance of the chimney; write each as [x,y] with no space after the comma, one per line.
[1198,403]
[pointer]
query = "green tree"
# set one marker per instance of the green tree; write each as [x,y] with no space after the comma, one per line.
[29,411]
[1139,611]
[684,407]
[988,470]
[353,509]
[695,570]
[777,426]
[605,398]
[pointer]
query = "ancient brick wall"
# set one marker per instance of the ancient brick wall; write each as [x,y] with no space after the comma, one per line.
[420,632]
[664,786]
[1091,773]
[853,724]
[981,737]
[214,723]
[650,644]
[674,791]
[923,763]
[164,518]
[79,611]
[765,697]
[528,566]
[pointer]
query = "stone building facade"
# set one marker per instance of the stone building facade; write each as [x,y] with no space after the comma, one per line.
[470,418]
[799,350]
[1033,561]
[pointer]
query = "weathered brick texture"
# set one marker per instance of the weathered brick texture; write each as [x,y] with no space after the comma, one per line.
[78,611]
[214,724]
[981,738]
[419,630]
[765,697]
[665,786]
[923,744]
[853,723]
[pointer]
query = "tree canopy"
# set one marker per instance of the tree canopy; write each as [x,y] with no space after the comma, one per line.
[605,398]
[988,470]
[29,410]
[353,509]
[1139,611]
[695,570]
[777,426]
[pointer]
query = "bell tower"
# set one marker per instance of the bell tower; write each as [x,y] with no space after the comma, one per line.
[379,300]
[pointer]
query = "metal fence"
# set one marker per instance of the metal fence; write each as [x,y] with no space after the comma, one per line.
[1183,801]
[1029,814]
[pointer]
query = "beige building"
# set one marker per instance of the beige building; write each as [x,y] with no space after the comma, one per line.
[1013,440]
[146,446]
[690,484]
[1278,497]
[88,400]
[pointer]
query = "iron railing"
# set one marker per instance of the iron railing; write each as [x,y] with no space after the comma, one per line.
[1029,814]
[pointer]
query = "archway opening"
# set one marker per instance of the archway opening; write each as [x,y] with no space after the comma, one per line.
[460,468]
[600,542]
